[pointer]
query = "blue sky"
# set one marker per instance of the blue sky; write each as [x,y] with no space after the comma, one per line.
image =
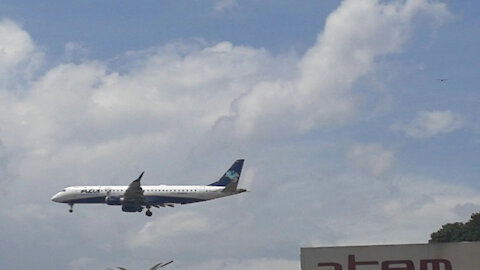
[348,135]
[109,29]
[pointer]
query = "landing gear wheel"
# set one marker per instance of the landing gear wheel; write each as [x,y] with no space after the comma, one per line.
[71,208]
[148,213]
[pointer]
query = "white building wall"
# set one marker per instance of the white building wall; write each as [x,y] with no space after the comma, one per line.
[447,256]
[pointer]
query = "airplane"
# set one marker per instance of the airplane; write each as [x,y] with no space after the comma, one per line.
[135,197]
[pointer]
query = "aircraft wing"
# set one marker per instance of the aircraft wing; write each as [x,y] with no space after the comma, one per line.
[134,192]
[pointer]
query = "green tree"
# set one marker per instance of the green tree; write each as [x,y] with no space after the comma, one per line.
[457,232]
[473,227]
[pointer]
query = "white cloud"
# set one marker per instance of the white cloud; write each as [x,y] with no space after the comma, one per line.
[254,264]
[74,103]
[224,5]
[373,158]
[179,110]
[321,95]
[431,123]
[18,55]
[15,44]
[394,209]
[3,156]
[81,263]
[28,211]
[75,51]
[160,230]
[426,204]
[180,89]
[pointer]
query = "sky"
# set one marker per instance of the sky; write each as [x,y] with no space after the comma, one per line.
[349,136]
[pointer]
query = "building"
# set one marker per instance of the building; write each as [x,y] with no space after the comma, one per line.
[438,256]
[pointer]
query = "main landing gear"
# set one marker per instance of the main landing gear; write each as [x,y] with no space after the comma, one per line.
[148,212]
[71,208]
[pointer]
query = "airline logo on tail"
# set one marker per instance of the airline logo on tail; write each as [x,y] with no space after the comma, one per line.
[232,175]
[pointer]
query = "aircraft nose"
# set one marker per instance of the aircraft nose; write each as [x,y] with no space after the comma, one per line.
[56,197]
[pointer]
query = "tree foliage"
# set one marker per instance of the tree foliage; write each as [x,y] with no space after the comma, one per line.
[457,232]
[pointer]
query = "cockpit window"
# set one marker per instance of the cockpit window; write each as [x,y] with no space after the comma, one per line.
[64,190]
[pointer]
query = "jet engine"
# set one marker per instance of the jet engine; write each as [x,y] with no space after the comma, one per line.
[112,200]
[132,207]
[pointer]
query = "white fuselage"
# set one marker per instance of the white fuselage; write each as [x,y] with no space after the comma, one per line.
[155,195]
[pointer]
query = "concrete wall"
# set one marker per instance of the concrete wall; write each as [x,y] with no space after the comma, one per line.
[448,256]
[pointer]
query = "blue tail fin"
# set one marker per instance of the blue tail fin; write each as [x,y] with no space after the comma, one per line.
[231,177]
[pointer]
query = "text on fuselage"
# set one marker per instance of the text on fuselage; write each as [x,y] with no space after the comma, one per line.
[90,191]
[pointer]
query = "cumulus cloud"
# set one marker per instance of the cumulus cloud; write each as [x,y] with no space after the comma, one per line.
[404,209]
[176,89]
[373,158]
[162,229]
[419,201]
[431,123]
[179,110]
[15,45]
[84,106]
[356,34]
[18,55]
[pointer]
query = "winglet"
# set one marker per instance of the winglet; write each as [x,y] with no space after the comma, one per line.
[140,177]
[135,184]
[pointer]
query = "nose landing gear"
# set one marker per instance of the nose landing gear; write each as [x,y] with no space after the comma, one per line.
[71,208]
